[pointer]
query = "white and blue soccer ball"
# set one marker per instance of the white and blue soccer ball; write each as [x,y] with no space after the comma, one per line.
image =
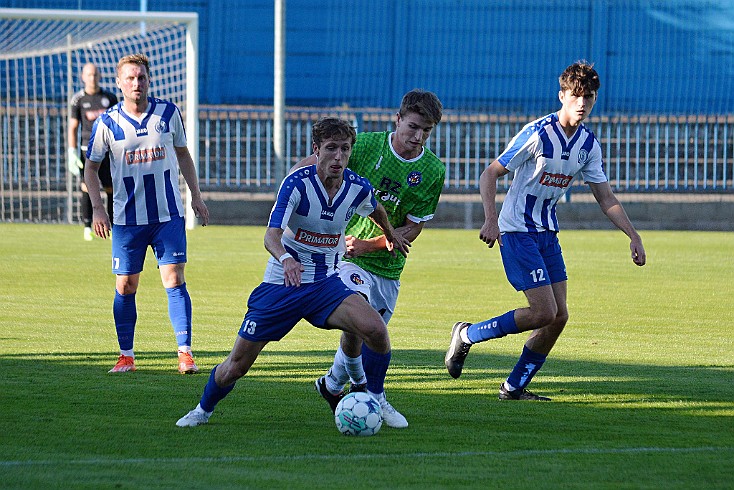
[358,414]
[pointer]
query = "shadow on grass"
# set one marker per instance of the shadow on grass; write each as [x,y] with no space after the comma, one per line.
[568,381]
[415,375]
[64,415]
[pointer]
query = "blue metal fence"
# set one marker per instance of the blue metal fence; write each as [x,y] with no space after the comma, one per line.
[660,154]
[642,154]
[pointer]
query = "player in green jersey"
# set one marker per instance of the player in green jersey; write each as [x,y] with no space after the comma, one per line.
[408,179]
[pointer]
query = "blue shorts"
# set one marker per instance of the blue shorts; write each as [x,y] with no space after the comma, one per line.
[532,260]
[274,309]
[130,244]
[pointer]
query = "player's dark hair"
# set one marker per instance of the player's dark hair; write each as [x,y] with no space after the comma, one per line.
[332,128]
[134,59]
[424,103]
[580,78]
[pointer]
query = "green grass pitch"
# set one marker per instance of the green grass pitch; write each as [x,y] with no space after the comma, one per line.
[642,380]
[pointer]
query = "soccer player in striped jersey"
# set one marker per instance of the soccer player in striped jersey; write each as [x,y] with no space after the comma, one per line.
[305,240]
[545,156]
[408,179]
[146,143]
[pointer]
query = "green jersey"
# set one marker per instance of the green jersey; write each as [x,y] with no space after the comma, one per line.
[406,188]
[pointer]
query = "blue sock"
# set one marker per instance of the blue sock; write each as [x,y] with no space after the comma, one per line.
[213,393]
[375,368]
[179,310]
[493,328]
[528,364]
[125,314]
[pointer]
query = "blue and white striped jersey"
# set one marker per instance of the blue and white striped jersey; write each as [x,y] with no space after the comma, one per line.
[313,226]
[143,161]
[545,162]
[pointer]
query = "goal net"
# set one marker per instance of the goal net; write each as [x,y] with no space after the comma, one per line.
[42,53]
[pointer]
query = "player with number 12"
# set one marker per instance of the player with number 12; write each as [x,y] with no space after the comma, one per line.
[545,156]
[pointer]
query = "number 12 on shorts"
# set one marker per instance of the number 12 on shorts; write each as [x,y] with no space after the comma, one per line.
[538,275]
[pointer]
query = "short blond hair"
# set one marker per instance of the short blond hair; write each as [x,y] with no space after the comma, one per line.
[134,59]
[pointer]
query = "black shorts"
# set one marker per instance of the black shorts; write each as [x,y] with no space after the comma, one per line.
[104,171]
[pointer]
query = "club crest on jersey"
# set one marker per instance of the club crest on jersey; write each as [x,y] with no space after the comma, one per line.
[316,239]
[414,178]
[161,126]
[350,213]
[356,279]
[583,156]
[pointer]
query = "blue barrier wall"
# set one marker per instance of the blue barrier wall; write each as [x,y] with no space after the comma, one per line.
[654,56]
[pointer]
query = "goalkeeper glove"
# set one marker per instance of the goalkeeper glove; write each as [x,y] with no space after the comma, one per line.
[75,164]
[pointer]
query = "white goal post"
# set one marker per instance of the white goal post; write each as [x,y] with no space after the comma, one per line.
[42,53]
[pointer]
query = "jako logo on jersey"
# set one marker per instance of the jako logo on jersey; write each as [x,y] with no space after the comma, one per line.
[414,178]
[145,156]
[317,239]
[161,126]
[555,180]
[141,131]
[356,279]
[327,215]
[583,156]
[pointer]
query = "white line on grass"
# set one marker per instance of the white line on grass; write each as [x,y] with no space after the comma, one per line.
[343,457]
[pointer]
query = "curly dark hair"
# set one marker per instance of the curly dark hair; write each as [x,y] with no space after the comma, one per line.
[580,78]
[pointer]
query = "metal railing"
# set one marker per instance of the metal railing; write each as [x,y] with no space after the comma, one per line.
[641,154]
[651,154]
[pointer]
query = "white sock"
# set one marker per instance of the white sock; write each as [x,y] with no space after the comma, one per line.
[379,397]
[509,387]
[338,374]
[201,410]
[464,335]
[332,384]
[128,353]
[354,367]
[184,348]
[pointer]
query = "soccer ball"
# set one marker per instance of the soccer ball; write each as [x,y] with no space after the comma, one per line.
[358,414]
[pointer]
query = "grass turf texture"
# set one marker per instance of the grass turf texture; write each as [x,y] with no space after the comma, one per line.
[641,380]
